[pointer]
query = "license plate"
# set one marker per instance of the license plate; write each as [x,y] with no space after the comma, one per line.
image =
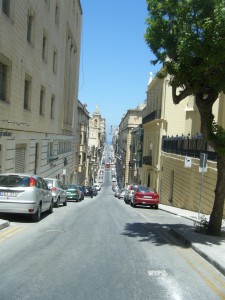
[148,197]
[9,194]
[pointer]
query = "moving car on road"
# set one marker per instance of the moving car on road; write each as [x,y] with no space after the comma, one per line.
[25,194]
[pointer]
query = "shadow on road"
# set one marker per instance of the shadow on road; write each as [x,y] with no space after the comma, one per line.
[161,234]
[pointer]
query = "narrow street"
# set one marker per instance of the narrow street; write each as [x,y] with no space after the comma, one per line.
[101,248]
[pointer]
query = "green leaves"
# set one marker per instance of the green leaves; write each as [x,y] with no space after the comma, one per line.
[218,135]
[187,37]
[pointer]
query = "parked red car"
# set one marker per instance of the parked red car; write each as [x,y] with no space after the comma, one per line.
[145,196]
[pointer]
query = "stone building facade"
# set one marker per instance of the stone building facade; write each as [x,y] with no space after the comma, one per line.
[82,147]
[131,120]
[96,141]
[39,72]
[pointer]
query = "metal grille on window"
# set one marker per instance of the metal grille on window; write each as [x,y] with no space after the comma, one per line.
[20,160]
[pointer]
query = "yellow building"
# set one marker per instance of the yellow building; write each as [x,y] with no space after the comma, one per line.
[182,182]
[131,120]
[160,118]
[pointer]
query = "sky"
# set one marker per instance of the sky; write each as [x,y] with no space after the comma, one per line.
[115,61]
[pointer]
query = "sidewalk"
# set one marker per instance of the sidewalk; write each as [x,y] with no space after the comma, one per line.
[4,223]
[210,247]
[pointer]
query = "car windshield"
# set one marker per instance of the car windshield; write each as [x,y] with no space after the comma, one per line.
[14,181]
[134,187]
[146,189]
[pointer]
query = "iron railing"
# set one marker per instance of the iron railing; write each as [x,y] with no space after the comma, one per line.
[188,146]
[156,114]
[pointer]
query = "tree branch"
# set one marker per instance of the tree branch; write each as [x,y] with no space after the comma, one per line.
[182,94]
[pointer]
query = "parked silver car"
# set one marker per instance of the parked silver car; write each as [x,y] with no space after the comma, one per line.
[58,191]
[25,194]
[129,192]
[121,193]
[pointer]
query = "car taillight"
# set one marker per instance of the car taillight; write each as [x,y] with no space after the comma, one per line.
[32,182]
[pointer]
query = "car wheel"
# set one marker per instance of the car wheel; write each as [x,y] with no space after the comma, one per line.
[57,202]
[50,210]
[37,216]
[156,206]
[65,203]
[131,203]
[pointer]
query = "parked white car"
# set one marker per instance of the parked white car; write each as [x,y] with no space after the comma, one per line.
[97,186]
[58,191]
[25,194]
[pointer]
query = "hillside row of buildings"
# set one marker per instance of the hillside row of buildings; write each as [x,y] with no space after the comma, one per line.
[159,144]
[44,129]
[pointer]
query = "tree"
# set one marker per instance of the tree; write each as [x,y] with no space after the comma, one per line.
[187,38]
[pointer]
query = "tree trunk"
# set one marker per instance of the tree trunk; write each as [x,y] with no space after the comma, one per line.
[216,216]
[205,110]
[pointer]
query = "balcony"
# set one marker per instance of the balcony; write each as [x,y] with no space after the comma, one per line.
[156,114]
[52,158]
[147,160]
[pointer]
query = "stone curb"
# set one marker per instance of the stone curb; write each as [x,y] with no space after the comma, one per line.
[4,224]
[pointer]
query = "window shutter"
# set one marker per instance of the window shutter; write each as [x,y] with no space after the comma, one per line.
[20,160]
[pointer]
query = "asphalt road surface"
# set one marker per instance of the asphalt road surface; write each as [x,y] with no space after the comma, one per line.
[101,248]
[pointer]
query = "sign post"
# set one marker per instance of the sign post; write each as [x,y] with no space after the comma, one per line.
[202,169]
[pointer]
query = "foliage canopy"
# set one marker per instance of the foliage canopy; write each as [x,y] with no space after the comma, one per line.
[187,37]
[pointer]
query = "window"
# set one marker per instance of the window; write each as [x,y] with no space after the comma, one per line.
[52,111]
[47,2]
[27,93]
[44,48]
[20,158]
[57,14]
[30,28]
[55,61]
[6,7]
[42,98]
[3,81]
[50,149]
[36,162]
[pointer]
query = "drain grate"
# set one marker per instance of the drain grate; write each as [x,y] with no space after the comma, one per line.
[157,273]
